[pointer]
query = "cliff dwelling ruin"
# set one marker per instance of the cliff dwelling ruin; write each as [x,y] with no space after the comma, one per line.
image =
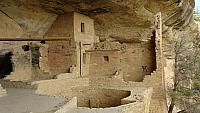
[61,62]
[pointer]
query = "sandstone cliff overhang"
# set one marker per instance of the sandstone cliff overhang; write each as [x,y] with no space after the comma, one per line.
[121,19]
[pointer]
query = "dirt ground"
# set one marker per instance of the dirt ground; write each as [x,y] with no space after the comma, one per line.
[24,100]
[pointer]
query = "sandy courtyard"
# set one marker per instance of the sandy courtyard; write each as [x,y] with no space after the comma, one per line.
[25,101]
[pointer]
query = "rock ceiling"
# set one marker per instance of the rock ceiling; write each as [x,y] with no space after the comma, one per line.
[112,17]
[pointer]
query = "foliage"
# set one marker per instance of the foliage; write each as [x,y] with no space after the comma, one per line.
[186,90]
[197,17]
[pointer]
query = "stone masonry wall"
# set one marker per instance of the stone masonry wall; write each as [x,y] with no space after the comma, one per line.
[97,96]
[138,60]
[61,56]
[44,58]
[104,63]
[88,35]
[68,27]
[156,79]
[20,59]
[135,59]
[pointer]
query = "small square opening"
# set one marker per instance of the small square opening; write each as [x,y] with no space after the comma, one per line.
[106,58]
[42,42]
[25,47]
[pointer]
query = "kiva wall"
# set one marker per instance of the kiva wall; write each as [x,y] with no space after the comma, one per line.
[139,102]
[69,107]
[98,97]
[60,86]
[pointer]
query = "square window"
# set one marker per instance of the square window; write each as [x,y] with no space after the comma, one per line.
[106,58]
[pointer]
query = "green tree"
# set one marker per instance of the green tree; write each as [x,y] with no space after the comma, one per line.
[185,93]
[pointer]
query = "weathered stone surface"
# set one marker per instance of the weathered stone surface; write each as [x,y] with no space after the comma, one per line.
[124,20]
[2,91]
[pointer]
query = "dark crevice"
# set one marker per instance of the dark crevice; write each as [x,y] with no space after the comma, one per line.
[25,48]
[6,66]
[153,46]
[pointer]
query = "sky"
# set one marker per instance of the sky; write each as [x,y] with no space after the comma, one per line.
[197,5]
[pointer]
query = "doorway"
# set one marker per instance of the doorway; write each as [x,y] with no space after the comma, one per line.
[6,66]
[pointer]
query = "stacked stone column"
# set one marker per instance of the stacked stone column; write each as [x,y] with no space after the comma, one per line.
[156,80]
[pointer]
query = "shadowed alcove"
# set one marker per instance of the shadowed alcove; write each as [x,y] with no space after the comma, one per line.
[6,66]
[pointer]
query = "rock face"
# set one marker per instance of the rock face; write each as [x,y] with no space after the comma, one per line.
[127,22]
[123,20]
